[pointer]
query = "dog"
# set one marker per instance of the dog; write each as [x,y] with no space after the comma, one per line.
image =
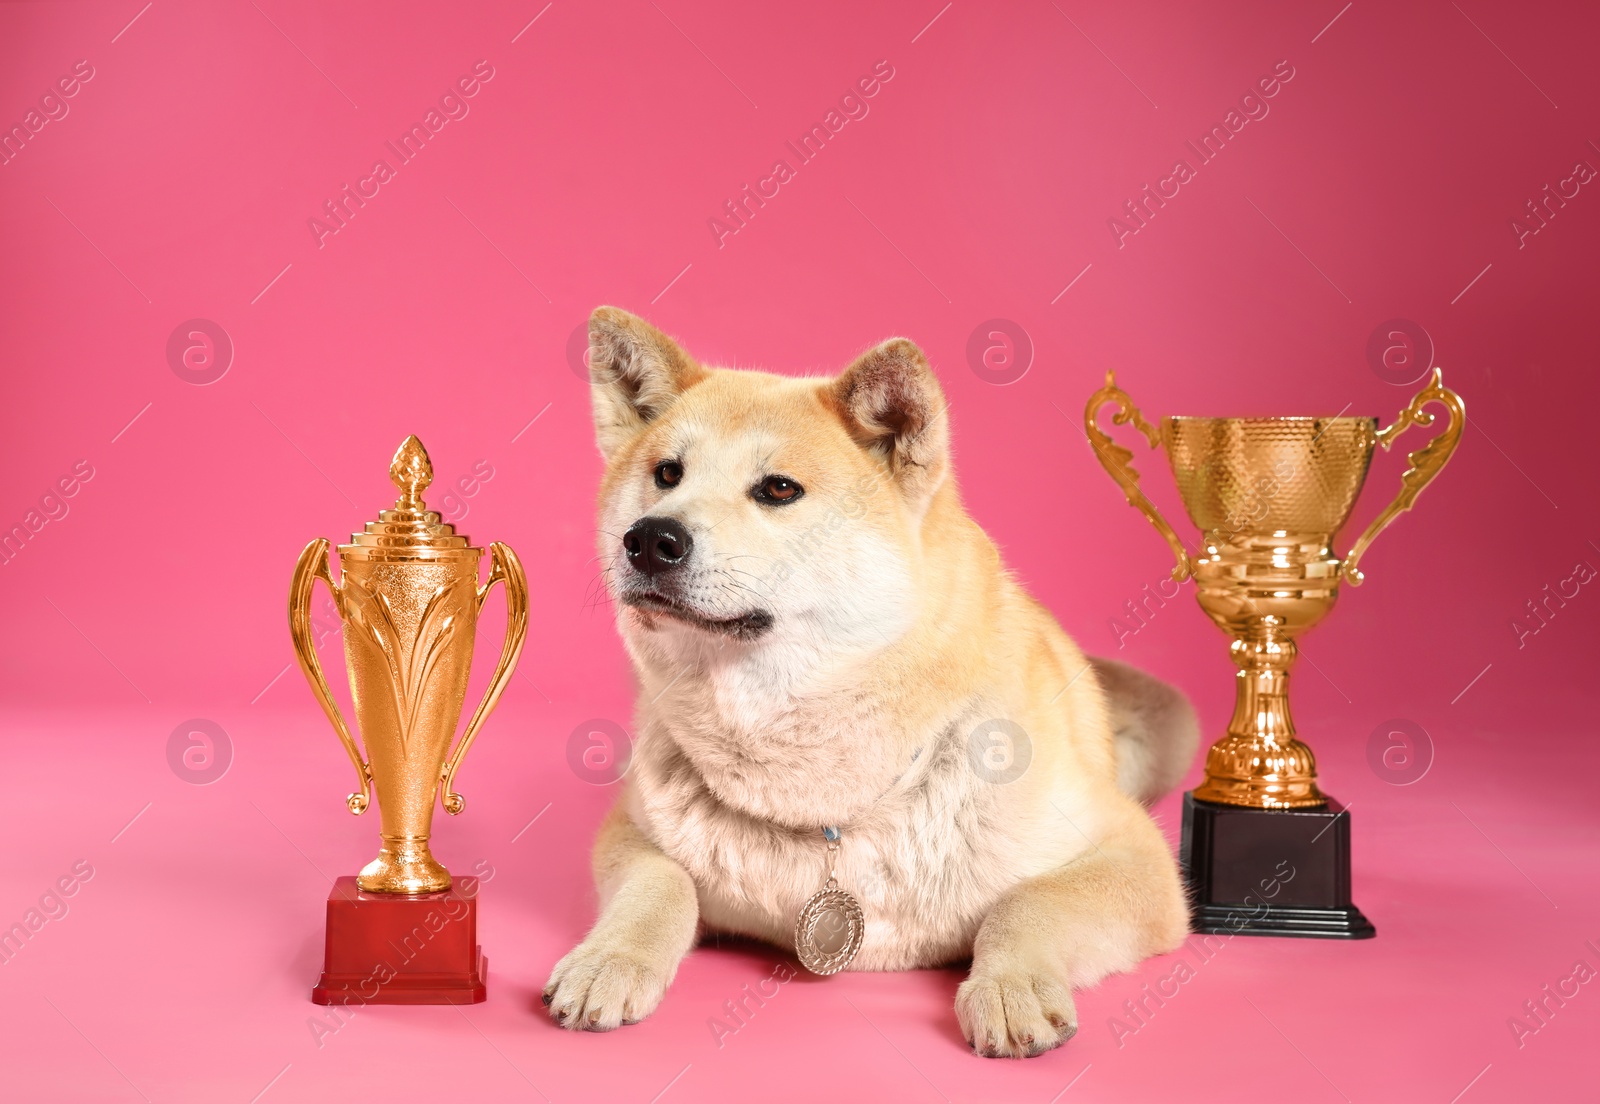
[823,637]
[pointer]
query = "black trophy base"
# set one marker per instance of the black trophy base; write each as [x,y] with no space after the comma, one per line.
[1270,871]
[1315,923]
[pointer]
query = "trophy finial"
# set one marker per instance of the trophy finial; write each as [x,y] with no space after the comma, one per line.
[411,471]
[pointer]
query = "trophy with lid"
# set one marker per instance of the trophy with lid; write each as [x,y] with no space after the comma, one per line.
[403,931]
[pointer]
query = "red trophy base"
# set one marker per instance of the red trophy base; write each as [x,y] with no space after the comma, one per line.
[390,948]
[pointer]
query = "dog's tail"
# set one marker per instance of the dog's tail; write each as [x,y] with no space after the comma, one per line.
[1155,729]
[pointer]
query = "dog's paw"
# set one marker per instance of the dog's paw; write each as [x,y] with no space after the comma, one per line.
[600,988]
[1015,1014]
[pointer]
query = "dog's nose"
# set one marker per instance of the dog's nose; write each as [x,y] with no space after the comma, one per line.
[657,544]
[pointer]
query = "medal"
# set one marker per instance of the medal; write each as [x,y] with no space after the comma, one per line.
[828,932]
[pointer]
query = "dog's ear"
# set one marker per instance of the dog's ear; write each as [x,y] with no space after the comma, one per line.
[891,404]
[635,372]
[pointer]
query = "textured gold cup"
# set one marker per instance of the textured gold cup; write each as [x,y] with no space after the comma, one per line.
[409,598]
[1269,495]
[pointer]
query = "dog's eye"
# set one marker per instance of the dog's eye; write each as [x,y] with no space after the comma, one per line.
[776,490]
[669,473]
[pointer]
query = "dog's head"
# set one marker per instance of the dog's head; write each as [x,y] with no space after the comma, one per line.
[746,510]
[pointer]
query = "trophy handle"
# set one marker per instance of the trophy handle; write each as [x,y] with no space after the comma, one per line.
[313,565]
[1118,461]
[507,569]
[1425,463]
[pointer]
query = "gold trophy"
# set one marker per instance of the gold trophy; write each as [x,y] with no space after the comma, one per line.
[1269,496]
[409,598]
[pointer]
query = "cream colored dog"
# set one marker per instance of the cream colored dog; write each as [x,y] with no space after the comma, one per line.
[823,637]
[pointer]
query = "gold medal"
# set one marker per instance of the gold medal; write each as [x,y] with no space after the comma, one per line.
[828,932]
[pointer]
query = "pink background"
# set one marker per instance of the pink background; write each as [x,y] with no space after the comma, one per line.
[1382,184]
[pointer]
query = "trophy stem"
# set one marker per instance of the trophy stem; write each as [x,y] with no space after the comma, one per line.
[1260,763]
[405,865]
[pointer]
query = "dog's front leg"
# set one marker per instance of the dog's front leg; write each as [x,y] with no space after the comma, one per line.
[1100,914]
[648,913]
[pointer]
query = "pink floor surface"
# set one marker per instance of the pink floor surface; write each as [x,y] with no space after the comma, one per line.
[182,968]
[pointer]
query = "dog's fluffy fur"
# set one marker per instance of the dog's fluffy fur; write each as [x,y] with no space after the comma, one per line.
[857,657]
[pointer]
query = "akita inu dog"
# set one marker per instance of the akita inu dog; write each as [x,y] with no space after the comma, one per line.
[824,638]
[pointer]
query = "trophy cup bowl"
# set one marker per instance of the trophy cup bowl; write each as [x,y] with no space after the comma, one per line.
[1269,496]
[409,599]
